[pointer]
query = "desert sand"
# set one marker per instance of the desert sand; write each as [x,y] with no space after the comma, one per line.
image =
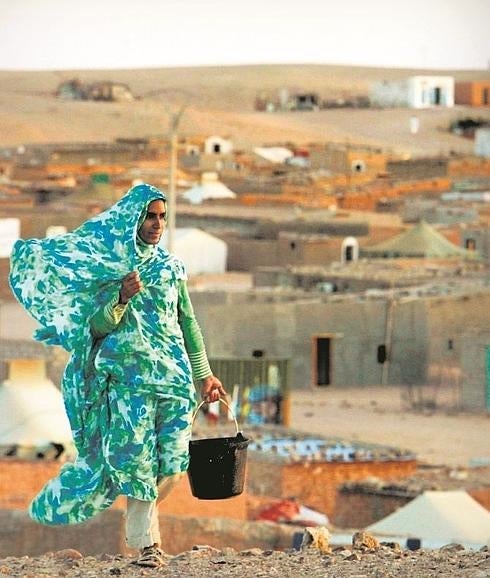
[441,436]
[220,100]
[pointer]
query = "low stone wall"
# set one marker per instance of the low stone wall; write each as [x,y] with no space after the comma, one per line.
[222,532]
[20,536]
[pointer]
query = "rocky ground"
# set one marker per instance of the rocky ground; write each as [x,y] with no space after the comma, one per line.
[386,561]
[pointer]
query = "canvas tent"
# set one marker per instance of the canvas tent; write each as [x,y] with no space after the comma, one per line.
[277,155]
[209,188]
[32,413]
[9,233]
[436,519]
[421,241]
[200,251]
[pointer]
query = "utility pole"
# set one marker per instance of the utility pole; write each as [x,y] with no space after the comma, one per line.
[174,121]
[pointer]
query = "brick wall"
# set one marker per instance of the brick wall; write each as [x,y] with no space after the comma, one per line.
[481,495]
[360,509]
[315,485]
[21,480]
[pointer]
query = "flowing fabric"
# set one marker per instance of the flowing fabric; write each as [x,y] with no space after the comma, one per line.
[129,396]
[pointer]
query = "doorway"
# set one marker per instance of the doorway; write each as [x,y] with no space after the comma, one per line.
[322,366]
[437,95]
[485,99]
[487,367]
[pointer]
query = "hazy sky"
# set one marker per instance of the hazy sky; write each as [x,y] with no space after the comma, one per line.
[68,34]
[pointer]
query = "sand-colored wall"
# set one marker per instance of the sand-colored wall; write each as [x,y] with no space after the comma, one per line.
[20,480]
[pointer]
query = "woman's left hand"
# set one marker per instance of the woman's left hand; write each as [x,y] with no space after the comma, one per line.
[212,389]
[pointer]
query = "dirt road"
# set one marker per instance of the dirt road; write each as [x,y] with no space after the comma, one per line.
[380,415]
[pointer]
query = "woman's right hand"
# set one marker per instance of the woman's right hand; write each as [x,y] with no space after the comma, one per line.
[130,286]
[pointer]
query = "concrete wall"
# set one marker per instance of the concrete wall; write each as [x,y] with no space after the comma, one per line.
[475,392]
[448,320]
[481,238]
[288,249]
[284,326]
[236,327]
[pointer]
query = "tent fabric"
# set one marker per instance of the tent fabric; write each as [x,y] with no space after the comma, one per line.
[422,240]
[208,190]
[439,518]
[200,251]
[278,155]
[32,414]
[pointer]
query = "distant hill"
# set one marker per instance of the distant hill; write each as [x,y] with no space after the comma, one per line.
[220,100]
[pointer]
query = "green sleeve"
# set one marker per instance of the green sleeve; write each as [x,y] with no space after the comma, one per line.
[193,339]
[107,318]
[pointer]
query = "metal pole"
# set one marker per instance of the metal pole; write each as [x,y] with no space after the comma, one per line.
[172,201]
[388,337]
[172,179]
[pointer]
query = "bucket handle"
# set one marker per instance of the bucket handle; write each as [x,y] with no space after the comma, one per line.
[222,401]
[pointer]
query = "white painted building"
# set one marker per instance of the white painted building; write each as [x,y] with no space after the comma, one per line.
[414,92]
[216,145]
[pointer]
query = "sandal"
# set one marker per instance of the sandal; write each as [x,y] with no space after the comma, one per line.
[151,557]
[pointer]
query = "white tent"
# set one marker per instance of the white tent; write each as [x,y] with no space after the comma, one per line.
[436,519]
[9,233]
[32,413]
[209,188]
[200,251]
[278,155]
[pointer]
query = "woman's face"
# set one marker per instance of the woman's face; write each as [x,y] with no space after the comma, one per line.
[153,226]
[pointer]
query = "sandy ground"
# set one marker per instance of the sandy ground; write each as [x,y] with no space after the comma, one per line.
[381,415]
[220,100]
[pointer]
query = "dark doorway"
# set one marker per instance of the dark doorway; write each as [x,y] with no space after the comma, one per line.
[437,95]
[485,99]
[322,361]
[349,253]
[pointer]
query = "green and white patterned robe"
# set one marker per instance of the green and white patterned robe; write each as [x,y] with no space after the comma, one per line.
[129,396]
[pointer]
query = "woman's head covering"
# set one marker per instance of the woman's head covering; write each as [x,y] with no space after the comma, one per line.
[59,279]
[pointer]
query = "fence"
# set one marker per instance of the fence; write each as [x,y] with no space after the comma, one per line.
[259,388]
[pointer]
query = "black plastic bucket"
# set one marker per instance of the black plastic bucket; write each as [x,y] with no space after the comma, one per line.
[217,465]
